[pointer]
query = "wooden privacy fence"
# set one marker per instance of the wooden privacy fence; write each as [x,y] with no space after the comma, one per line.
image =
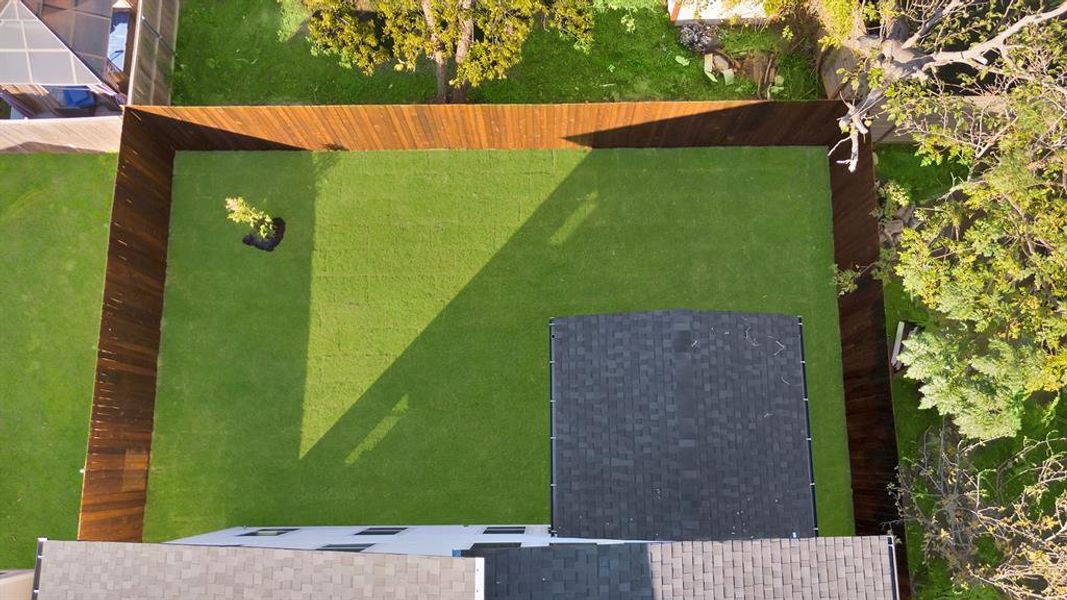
[116,469]
[156,33]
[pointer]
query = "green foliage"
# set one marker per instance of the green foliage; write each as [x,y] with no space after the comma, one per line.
[845,279]
[981,383]
[619,66]
[353,40]
[894,196]
[839,17]
[779,7]
[481,40]
[989,256]
[991,253]
[260,222]
[258,42]
[627,5]
[741,40]
[931,577]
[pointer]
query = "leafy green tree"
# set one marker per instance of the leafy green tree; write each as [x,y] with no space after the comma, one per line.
[992,252]
[982,84]
[982,383]
[469,41]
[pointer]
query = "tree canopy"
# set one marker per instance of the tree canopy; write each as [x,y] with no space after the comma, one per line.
[469,41]
[1015,509]
[982,84]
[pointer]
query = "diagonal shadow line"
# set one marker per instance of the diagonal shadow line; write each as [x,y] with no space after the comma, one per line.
[213,424]
[481,338]
[441,335]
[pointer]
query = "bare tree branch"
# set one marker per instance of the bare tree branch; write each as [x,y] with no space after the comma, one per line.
[1019,504]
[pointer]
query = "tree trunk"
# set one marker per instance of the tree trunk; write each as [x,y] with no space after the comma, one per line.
[459,92]
[463,46]
[441,68]
[440,62]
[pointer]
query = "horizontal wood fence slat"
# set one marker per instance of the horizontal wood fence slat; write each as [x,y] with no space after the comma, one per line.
[124,396]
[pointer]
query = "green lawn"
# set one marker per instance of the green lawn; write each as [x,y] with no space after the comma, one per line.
[255,52]
[54,215]
[388,362]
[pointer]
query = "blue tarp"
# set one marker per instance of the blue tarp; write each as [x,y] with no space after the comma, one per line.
[78,97]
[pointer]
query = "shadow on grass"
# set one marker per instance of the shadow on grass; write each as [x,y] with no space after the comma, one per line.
[469,396]
[258,355]
[454,429]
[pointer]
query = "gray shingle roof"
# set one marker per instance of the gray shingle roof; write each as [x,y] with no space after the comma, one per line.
[680,425]
[850,568]
[109,570]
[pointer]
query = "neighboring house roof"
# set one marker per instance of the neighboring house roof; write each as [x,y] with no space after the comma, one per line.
[715,10]
[109,570]
[680,425]
[32,53]
[848,568]
[83,25]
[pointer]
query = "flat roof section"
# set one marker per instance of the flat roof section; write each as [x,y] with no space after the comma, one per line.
[680,425]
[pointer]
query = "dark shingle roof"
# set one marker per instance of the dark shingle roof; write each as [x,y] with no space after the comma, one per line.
[680,425]
[850,568]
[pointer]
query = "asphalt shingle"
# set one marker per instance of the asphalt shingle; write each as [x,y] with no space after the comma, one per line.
[108,570]
[680,425]
[854,568]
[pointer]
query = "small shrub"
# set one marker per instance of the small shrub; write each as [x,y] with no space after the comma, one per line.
[845,280]
[240,211]
[840,19]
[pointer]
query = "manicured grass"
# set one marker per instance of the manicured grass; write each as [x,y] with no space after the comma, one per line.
[388,362]
[54,214]
[255,52]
